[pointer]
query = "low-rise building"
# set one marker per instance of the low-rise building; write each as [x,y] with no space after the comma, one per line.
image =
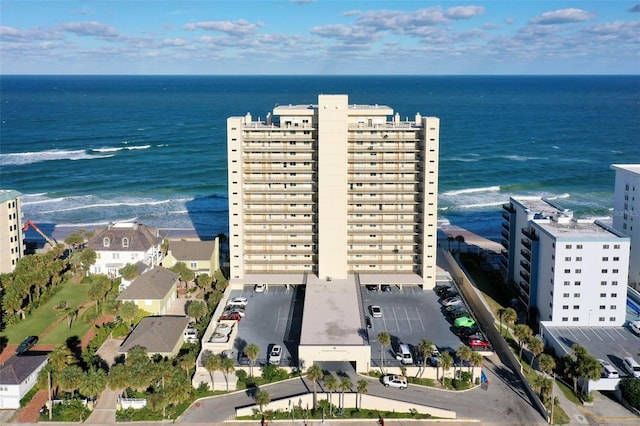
[153,292]
[122,243]
[17,376]
[159,335]
[199,256]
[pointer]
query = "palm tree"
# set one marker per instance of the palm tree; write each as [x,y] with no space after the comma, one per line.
[70,378]
[476,359]
[262,398]
[522,332]
[501,312]
[186,361]
[546,363]
[464,353]
[314,373]
[447,362]
[118,377]
[384,338]
[425,346]
[252,350]
[363,387]
[94,382]
[536,347]
[345,384]
[331,383]
[227,366]
[212,363]
[510,317]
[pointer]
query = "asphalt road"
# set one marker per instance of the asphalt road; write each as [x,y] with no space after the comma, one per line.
[502,402]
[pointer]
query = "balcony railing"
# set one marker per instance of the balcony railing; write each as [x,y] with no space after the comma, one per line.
[525,265]
[527,232]
[509,208]
[526,254]
[505,243]
[525,242]
[526,276]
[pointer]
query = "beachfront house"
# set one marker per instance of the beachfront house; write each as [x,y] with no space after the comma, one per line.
[17,376]
[121,243]
[159,335]
[153,292]
[199,256]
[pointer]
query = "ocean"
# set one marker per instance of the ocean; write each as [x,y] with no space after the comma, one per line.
[88,150]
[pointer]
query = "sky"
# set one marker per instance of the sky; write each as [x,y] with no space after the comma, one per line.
[317,37]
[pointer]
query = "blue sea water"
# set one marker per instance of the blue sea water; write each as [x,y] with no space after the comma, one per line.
[87,150]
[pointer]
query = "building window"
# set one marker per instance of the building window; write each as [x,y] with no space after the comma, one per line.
[579,246]
[576,294]
[605,259]
[567,259]
[106,242]
[125,242]
[613,307]
[603,307]
[578,271]
[601,319]
[604,271]
[576,306]
[565,307]
[565,295]
[565,319]
[605,246]
[614,294]
[567,282]
[614,282]
[603,294]
[568,246]
[616,246]
[578,259]
[567,271]
[603,283]
[616,259]
[576,319]
[577,283]
[615,271]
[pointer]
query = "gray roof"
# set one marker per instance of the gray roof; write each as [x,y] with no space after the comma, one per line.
[18,368]
[157,334]
[153,284]
[185,251]
[140,237]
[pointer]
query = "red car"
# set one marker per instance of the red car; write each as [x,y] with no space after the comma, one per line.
[232,316]
[477,342]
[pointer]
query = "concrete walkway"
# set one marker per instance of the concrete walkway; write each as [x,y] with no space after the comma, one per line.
[104,413]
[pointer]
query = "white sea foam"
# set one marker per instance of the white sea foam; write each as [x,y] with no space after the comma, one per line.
[481,205]
[50,155]
[43,201]
[522,158]
[138,147]
[471,191]
[119,204]
[107,149]
[464,160]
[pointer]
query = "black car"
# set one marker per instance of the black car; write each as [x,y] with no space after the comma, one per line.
[27,344]
[372,287]
[458,314]
[440,290]
[466,331]
[385,288]
[449,293]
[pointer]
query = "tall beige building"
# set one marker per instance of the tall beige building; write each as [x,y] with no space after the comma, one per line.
[11,236]
[333,191]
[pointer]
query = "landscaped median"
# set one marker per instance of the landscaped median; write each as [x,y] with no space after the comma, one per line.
[363,402]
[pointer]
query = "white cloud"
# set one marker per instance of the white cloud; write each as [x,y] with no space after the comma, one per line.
[89,28]
[562,16]
[237,28]
[464,12]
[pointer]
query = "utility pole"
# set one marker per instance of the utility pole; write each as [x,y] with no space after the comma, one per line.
[553,397]
[50,401]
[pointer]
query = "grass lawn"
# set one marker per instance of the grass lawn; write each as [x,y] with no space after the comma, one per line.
[71,292]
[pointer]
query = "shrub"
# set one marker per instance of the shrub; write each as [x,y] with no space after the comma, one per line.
[271,373]
[630,389]
[241,375]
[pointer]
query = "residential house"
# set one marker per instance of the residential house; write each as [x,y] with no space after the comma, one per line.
[17,376]
[161,335]
[199,256]
[122,243]
[154,291]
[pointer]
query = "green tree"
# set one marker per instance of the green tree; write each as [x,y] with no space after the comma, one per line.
[73,240]
[630,389]
[197,309]
[536,347]
[94,382]
[331,383]
[70,378]
[227,366]
[501,312]
[118,377]
[362,388]
[314,373]
[212,363]
[546,363]
[446,360]
[186,361]
[252,351]
[345,384]
[128,311]
[384,338]
[129,272]
[476,359]
[510,316]
[262,398]
[425,346]
[464,353]
[204,281]
[186,274]
[522,333]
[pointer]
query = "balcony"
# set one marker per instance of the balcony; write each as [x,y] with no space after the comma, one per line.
[506,216]
[526,276]
[505,226]
[525,265]
[527,232]
[526,254]
[525,242]
[509,208]
[505,235]
[505,243]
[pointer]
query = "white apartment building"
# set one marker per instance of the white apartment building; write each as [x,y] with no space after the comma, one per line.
[11,235]
[626,211]
[569,272]
[333,190]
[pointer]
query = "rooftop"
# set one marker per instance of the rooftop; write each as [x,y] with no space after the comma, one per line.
[8,194]
[157,334]
[633,168]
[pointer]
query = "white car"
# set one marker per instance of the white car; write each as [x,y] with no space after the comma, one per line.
[238,301]
[260,288]
[456,300]
[191,335]
[234,310]
[275,355]
[395,381]
[635,326]
[632,367]
[376,311]
[608,371]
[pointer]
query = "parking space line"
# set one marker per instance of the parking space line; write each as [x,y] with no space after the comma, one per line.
[597,335]
[607,333]
[420,319]
[620,334]
[395,318]
[278,320]
[408,320]
[585,334]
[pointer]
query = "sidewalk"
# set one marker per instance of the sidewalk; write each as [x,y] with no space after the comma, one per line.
[105,410]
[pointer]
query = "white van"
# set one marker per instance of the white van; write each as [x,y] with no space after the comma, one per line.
[404,354]
[632,367]
[635,326]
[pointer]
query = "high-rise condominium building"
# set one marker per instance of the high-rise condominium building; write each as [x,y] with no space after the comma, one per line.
[568,272]
[11,236]
[626,213]
[333,190]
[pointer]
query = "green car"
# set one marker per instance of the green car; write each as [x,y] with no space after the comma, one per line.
[464,322]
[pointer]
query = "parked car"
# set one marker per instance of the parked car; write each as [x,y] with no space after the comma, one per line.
[275,354]
[608,371]
[466,331]
[455,300]
[632,367]
[434,356]
[635,326]
[367,321]
[442,290]
[453,308]
[234,316]
[449,293]
[395,381]
[454,315]
[191,335]
[386,288]
[260,288]
[27,344]
[238,301]
[376,311]
[478,342]
[372,287]
[235,310]
[464,322]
